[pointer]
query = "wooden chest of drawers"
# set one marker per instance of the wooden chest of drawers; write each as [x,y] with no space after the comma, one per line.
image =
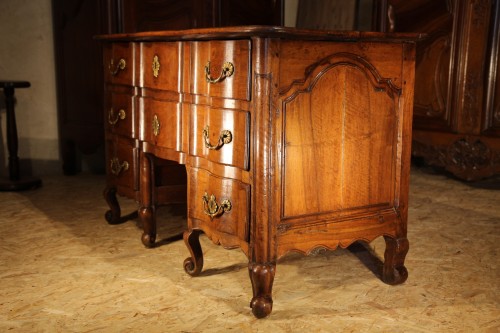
[292,140]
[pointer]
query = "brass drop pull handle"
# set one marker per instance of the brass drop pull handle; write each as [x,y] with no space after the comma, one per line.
[225,137]
[212,208]
[227,71]
[117,167]
[113,119]
[119,66]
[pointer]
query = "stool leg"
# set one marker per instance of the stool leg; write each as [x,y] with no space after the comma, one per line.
[11,134]
[14,183]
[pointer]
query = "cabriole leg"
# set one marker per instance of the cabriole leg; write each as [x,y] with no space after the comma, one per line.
[262,277]
[113,215]
[194,264]
[394,271]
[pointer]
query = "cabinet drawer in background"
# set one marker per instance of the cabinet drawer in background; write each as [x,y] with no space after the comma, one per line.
[221,205]
[160,66]
[220,135]
[122,159]
[208,61]
[161,123]
[119,63]
[119,114]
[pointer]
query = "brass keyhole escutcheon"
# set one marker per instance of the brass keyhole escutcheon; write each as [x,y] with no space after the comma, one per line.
[156,66]
[156,125]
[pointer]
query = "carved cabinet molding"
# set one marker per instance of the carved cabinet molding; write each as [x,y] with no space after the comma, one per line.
[456,109]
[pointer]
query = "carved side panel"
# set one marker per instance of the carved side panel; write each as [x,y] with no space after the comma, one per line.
[340,137]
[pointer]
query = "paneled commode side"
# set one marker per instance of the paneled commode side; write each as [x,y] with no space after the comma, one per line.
[292,140]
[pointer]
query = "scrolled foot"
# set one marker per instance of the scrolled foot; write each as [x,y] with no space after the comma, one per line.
[194,264]
[397,276]
[261,306]
[110,218]
[394,271]
[113,215]
[191,267]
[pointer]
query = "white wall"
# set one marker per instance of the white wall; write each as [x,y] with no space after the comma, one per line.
[291,7]
[27,53]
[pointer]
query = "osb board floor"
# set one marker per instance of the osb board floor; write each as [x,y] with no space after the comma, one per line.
[64,269]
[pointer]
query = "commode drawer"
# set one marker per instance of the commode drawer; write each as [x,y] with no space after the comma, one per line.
[119,114]
[119,63]
[220,135]
[221,205]
[161,123]
[160,66]
[221,69]
[122,159]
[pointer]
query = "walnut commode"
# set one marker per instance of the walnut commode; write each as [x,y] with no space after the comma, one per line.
[292,140]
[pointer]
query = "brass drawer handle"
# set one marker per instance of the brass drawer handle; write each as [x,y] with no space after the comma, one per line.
[113,119]
[212,208]
[119,67]
[156,125]
[225,137]
[117,167]
[227,71]
[156,66]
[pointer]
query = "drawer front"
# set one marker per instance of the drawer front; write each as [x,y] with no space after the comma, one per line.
[122,158]
[221,69]
[160,66]
[220,135]
[161,123]
[221,205]
[119,114]
[119,63]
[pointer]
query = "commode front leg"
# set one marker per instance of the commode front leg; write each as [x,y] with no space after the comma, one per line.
[394,271]
[262,277]
[148,218]
[194,264]
[147,212]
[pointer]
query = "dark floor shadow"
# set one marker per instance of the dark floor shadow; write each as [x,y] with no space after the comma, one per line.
[368,257]
[223,270]
[171,222]
[168,240]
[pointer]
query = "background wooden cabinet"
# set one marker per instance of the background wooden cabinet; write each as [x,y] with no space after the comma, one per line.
[457,109]
[78,55]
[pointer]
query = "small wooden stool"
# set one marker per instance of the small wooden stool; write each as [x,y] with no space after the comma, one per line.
[14,183]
